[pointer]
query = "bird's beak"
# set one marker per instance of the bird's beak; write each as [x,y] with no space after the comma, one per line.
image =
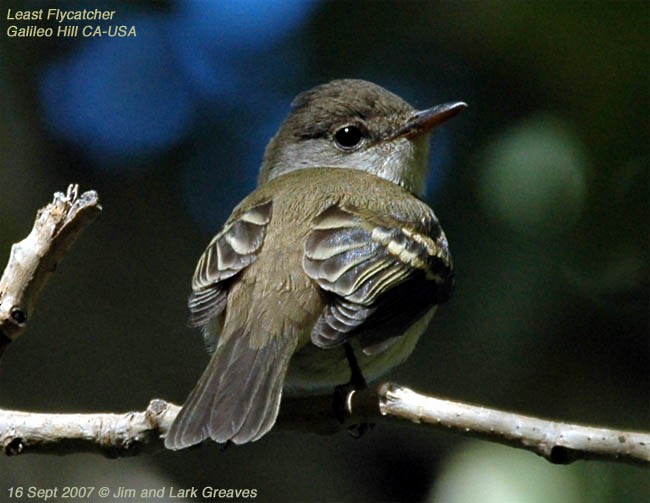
[423,121]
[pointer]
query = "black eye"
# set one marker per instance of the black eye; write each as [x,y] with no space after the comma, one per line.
[348,136]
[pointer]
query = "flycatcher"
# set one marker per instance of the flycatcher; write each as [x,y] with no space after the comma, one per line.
[331,265]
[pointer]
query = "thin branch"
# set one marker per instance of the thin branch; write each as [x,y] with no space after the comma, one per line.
[33,259]
[113,435]
[136,432]
[558,442]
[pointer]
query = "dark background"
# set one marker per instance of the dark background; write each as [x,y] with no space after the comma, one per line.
[541,185]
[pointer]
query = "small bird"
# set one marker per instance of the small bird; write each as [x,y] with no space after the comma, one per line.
[328,272]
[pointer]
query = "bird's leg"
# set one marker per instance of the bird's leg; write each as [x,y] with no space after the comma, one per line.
[356,376]
[343,392]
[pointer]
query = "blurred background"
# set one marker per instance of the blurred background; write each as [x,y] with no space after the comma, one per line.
[542,187]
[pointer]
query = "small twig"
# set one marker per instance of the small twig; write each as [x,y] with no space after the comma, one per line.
[114,435]
[558,442]
[31,261]
[136,432]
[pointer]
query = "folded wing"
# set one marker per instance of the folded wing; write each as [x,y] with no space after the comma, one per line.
[229,252]
[383,273]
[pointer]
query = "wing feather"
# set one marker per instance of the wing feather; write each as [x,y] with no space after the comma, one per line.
[361,257]
[229,252]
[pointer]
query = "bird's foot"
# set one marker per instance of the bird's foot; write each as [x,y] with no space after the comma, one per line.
[343,396]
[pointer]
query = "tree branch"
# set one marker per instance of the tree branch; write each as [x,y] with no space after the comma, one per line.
[131,433]
[113,435]
[56,227]
[558,442]
[33,259]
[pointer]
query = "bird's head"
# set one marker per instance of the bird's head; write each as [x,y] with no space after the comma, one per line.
[355,124]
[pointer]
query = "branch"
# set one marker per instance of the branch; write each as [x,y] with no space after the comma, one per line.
[135,432]
[558,442]
[113,435]
[33,259]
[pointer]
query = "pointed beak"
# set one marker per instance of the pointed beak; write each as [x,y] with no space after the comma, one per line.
[424,121]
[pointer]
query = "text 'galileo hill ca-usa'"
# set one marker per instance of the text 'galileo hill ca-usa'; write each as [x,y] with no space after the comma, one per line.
[62,23]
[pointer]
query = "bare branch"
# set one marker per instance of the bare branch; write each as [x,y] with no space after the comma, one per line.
[136,432]
[31,261]
[558,442]
[111,434]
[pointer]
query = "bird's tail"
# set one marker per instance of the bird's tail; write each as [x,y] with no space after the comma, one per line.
[238,396]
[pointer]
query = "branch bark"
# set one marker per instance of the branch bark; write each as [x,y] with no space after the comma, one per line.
[56,227]
[114,435]
[132,433]
[33,259]
[558,442]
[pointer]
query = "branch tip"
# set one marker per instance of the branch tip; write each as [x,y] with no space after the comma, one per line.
[32,260]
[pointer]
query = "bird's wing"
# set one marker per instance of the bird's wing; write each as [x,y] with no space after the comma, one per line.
[384,273]
[229,252]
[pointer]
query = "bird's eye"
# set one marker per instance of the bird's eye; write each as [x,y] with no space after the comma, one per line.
[348,137]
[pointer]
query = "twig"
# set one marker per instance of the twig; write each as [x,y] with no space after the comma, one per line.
[31,261]
[136,432]
[114,435]
[558,442]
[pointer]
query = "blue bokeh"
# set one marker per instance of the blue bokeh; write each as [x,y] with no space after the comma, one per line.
[117,97]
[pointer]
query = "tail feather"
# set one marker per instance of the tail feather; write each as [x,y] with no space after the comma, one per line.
[238,396]
[258,421]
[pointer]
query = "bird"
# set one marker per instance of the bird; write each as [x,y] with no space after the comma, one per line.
[328,272]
